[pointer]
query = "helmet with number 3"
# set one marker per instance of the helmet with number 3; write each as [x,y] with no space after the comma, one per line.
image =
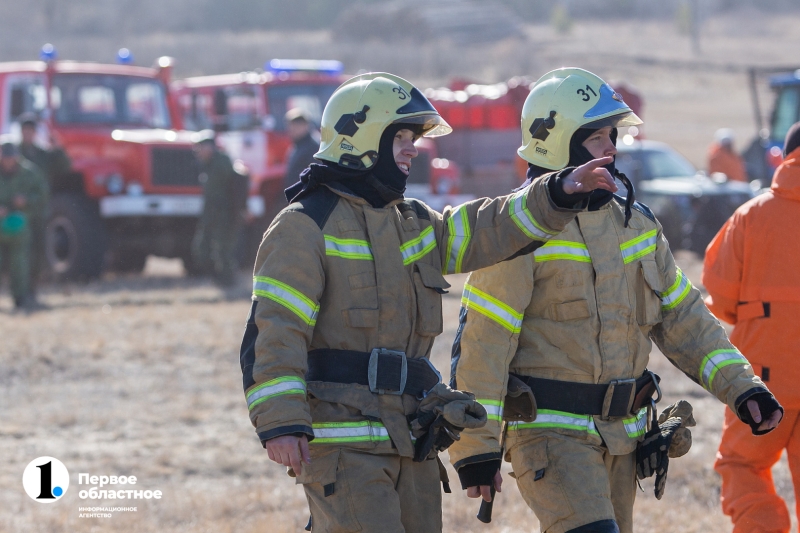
[362,107]
[561,102]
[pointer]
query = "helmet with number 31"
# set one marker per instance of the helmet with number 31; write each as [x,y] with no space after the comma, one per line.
[362,107]
[561,102]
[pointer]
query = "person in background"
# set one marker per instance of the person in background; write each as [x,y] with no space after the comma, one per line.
[723,158]
[53,161]
[214,243]
[52,164]
[21,199]
[753,282]
[305,141]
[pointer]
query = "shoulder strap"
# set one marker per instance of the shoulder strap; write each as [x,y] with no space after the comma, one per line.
[318,205]
[412,204]
[638,206]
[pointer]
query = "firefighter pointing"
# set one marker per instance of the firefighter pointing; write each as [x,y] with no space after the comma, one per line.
[557,342]
[347,303]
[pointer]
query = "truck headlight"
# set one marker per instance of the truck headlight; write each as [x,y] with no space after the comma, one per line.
[115,184]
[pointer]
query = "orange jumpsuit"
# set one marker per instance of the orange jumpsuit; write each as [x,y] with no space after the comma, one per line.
[752,274]
[723,160]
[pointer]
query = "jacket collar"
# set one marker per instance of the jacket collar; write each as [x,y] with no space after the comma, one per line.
[342,191]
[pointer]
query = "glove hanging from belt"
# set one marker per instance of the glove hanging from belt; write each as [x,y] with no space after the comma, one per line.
[441,417]
[668,437]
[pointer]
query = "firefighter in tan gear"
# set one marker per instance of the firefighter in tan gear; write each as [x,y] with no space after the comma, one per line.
[573,323]
[347,302]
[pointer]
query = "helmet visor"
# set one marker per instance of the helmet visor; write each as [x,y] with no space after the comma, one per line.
[433,125]
[616,121]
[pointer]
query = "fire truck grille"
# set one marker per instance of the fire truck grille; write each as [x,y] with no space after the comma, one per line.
[175,167]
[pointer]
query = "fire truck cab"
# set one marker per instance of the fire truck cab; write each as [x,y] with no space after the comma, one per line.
[247,112]
[133,188]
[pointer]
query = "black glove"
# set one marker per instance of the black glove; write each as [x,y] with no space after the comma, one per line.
[652,454]
[477,474]
[661,478]
[440,435]
[767,404]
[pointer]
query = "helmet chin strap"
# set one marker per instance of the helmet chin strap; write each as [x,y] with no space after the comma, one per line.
[631,196]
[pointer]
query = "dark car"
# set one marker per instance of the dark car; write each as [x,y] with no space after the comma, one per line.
[690,206]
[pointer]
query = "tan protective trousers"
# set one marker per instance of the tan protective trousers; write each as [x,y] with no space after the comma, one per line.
[569,483]
[378,494]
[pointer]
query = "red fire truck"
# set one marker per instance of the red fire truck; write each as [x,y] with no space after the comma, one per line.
[247,111]
[485,121]
[133,189]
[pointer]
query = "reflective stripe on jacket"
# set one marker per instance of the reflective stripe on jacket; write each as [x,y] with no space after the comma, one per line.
[752,274]
[584,308]
[363,278]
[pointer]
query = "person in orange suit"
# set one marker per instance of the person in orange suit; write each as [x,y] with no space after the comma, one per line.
[723,158]
[753,280]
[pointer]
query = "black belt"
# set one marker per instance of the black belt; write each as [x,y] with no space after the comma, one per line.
[619,398]
[383,371]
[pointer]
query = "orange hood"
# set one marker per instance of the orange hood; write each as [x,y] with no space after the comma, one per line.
[786,182]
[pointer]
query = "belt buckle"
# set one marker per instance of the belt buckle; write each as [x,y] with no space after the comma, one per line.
[435,371]
[372,371]
[631,382]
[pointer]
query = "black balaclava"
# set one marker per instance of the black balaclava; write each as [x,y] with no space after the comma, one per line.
[385,182]
[579,155]
[378,185]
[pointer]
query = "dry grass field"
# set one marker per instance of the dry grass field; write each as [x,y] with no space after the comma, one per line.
[140,376]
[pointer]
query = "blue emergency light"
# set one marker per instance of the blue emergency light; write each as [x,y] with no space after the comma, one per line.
[48,52]
[124,56]
[323,66]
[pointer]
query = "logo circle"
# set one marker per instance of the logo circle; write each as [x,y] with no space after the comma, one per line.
[45,479]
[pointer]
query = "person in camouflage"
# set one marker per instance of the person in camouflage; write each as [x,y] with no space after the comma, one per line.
[53,164]
[21,198]
[214,244]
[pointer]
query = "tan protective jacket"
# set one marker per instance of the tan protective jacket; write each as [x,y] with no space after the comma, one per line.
[333,272]
[584,308]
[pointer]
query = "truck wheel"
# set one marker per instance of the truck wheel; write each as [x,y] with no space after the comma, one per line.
[75,238]
[129,260]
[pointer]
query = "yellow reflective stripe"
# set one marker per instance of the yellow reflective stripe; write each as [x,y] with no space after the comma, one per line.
[457,242]
[565,250]
[494,408]
[288,297]
[348,248]
[276,387]
[518,210]
[548,418]
[677,292]
[417,248]
[492,308]
[636,426]
[341,432]
[715,361]
[639,247]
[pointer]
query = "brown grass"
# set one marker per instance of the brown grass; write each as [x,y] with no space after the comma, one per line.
[152,389]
